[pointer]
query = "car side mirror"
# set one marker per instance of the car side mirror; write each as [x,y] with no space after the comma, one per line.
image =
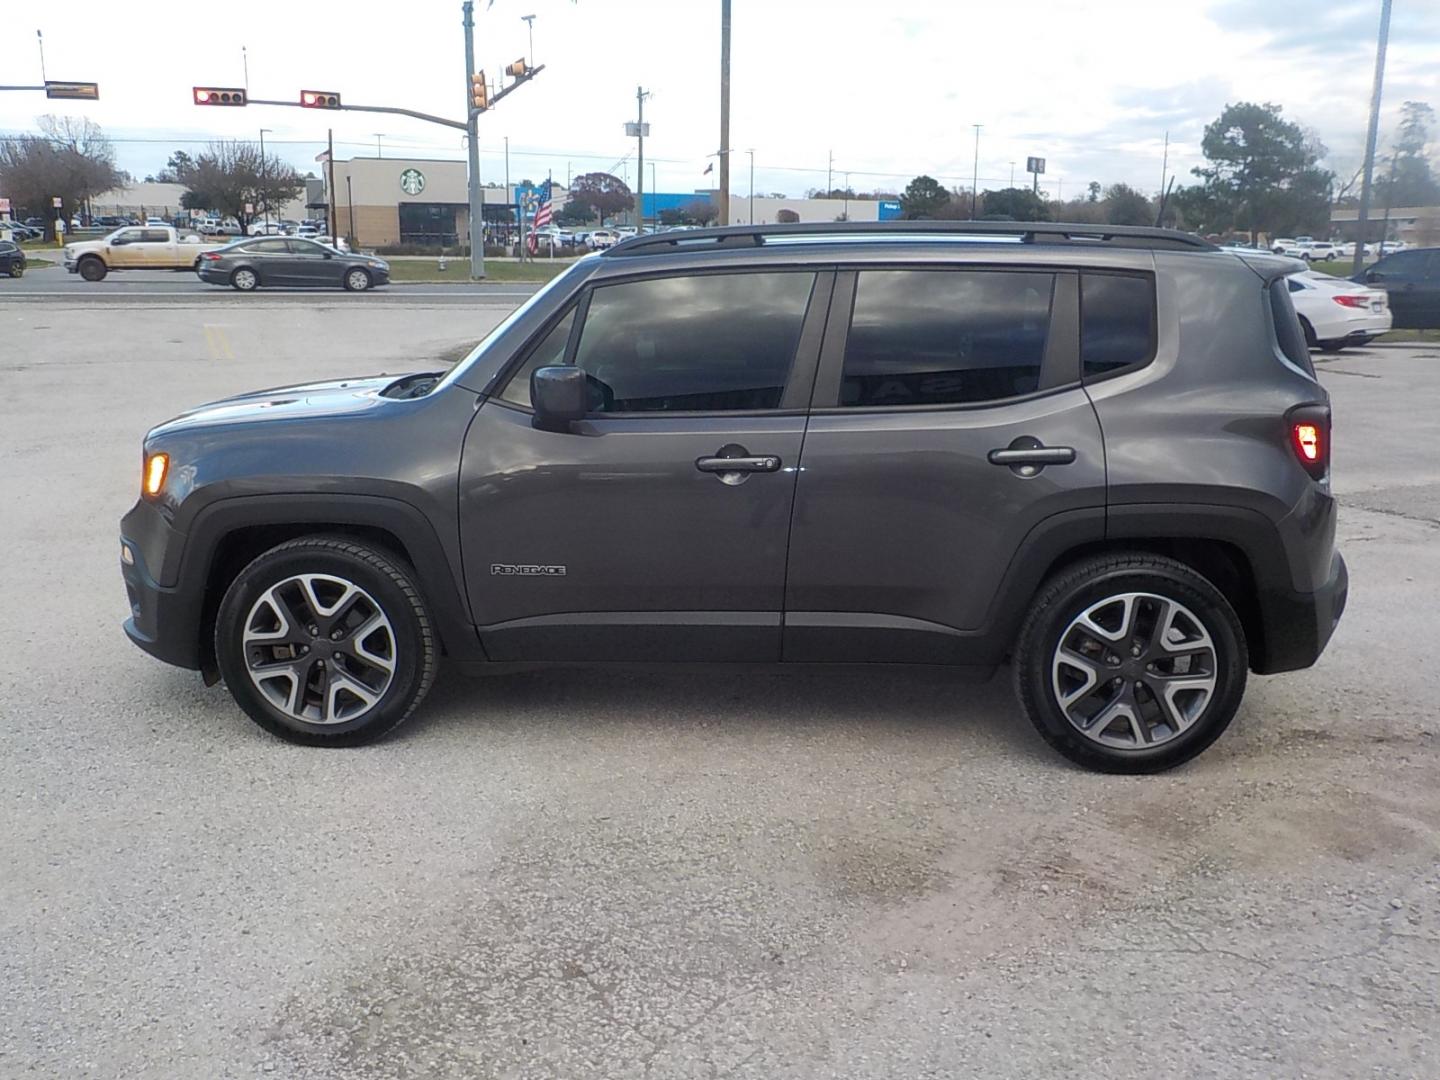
[1375,275]
[118,241]
[560,395]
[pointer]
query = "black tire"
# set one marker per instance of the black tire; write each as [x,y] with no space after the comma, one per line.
[387,581]
[244,279]
[1309,331]
[1075,590]
[92,268]
[352,280]
[1336,346]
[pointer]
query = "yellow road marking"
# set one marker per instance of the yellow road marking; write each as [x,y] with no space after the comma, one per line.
[218,342]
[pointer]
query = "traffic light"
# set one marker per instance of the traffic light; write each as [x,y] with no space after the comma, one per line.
[319,99]
[82,91]
[517,70]
[219,95]
[479,92]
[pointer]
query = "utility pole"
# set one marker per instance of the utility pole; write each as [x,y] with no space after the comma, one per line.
[830,175]
[264,191]
[1363,217]
[724,199]
[477,206]
[1012,174]
[751,152]
[509,195]
[1165,165]
[640,97]
[379,151]
[975,182]
[654,195]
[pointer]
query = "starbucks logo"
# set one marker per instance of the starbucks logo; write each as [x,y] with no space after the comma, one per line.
[412,181]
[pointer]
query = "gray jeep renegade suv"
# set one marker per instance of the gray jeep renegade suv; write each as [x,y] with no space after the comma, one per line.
[1098,453]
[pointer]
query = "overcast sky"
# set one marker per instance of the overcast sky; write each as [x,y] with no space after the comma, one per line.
[892,89]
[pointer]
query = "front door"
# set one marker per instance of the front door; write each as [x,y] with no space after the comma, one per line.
[308,265]
[129,253]
[626,537]
[1412,281]
[949,421]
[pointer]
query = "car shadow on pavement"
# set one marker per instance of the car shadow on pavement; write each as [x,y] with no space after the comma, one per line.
[931,704]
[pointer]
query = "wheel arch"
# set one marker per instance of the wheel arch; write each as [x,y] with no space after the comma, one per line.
[227,536]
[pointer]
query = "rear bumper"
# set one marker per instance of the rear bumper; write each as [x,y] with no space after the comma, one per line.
[1298,625]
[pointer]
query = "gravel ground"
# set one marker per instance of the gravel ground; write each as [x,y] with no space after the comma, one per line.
[579,874]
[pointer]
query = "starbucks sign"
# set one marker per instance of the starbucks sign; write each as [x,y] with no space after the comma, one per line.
[412,181]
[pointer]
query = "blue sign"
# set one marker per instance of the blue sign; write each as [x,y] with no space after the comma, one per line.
[889,210]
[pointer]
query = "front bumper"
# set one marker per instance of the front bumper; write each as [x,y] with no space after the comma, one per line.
[1298,626]
[164,621]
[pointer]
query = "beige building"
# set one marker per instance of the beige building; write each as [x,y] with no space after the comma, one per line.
[1416,225]
[383,201]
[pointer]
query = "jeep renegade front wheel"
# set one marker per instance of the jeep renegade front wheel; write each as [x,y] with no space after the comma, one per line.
[325,641]
[1130,663]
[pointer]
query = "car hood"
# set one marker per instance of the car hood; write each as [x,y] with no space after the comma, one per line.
[305,401]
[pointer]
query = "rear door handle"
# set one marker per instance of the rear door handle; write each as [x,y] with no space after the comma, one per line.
[1035,455]
[759,463]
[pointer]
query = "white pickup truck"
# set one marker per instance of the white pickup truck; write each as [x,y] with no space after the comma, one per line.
[135,247]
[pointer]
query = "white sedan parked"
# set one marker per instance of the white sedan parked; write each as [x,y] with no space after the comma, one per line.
[1335,312]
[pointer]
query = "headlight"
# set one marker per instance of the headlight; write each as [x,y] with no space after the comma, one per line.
[156,466]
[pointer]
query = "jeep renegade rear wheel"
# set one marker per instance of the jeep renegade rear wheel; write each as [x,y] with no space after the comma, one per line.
[325,641]
[1131,663]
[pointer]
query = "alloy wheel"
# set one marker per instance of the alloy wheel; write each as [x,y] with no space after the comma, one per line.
[319,649]
[1134,670]
[357,281]
[245,280]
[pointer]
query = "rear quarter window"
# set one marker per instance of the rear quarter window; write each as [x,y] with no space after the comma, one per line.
[1288,334]
[1117,323]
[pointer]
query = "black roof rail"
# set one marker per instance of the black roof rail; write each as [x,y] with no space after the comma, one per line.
[1028,232]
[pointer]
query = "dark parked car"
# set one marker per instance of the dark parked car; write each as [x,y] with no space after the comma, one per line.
[1098,453]
[1412,281]
[12,259]
[290,262]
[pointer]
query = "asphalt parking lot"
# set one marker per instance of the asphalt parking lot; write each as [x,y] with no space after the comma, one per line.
[582,874]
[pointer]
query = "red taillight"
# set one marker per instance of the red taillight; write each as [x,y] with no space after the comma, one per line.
[209,256]
[1307,441]
[1310,439]
[1352,301]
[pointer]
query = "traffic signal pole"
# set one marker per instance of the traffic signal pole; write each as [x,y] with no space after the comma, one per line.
[477,206]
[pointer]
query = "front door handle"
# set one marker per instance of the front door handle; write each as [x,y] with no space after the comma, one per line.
[1039,455]
[760,463]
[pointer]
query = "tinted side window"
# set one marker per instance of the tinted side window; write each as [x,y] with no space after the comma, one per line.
[269,247]
[706,343]
[1403,263]
[550,350]
[1288,334]
[945,337]
[155,236]
[1117,322]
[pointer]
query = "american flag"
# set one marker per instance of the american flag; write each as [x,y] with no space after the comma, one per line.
[543,216]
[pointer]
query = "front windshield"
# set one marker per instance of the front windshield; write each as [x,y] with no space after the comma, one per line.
[557,282]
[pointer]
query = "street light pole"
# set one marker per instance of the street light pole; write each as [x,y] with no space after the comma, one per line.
[724,198]
[509,196]
[975,181]
[1362,218]
[529,21]
[477,207]
[264,192]
[379,151]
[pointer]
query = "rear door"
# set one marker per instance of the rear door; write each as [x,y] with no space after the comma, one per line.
[157,250]
[949,422]
[625,536]
[271,260]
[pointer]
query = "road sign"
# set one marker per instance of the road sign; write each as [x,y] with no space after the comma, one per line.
[4,206]
[56,201]
[249,208]
[1035,164]
[83,91]
[634,130]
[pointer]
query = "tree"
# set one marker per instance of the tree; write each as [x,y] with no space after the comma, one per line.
[1092,191]
[177,168]
[1126,206]
[1263,173]
[1014,204]
[574,213]
[923,197]
[231,174]
[696,212]
[1410,180]
[71,158]
[787,217]
[601,193]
